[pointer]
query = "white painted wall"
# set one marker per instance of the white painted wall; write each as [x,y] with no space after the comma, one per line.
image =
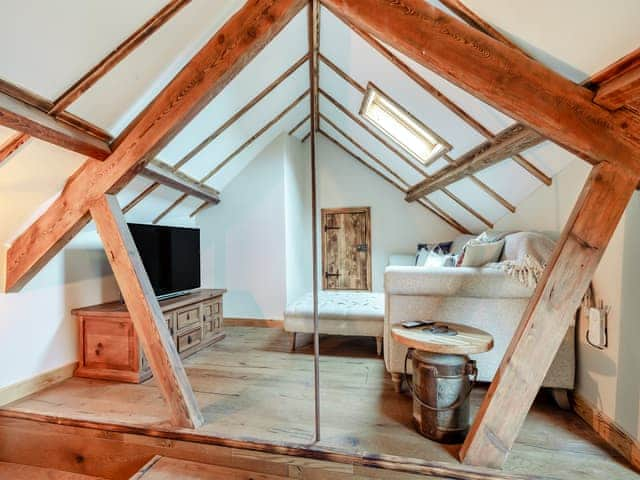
[396,226]
[39,332]
[243,239]
[297,183]
[608,379]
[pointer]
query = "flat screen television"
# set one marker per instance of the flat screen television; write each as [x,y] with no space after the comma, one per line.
[170,255]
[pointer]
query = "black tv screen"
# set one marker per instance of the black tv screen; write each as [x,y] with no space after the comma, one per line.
[171,256]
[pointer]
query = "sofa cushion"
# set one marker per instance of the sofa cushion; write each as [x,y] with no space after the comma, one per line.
[459,242]
[478,254]
[449,282]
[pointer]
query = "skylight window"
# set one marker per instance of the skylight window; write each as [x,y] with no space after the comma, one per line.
[406,130]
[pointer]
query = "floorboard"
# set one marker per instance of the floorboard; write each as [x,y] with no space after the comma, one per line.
[250,387]
[15,471]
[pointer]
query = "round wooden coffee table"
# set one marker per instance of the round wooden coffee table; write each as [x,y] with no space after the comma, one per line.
[443,376]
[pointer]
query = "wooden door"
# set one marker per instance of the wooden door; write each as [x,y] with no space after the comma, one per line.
[346,248]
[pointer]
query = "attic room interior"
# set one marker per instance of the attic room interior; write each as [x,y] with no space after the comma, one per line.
[368,239]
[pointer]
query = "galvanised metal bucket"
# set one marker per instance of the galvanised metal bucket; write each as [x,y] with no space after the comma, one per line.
[441,388]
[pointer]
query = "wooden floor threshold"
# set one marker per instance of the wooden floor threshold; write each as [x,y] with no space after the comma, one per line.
[424,468]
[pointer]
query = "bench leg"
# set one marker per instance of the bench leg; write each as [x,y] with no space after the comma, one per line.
[292,339]
[379,345]
[396,378]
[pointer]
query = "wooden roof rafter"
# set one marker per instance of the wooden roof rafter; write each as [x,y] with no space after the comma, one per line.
[351,81]
[245,108]
[89,192]
[299,124]
[12,145]
[235,153]
[394,174]
[439,96]
[547,103]
[63,128]
[401,186]
[220,130]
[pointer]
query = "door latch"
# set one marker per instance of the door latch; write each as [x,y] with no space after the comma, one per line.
[363,247]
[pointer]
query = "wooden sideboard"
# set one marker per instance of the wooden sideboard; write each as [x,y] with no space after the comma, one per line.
[109,346]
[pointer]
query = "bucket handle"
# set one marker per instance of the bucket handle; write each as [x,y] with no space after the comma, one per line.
[459,401]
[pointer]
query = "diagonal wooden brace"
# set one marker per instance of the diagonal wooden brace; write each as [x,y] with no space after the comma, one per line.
[595,216]
[146,315]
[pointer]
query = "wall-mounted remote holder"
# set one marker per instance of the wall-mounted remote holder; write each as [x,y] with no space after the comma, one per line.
[597,331]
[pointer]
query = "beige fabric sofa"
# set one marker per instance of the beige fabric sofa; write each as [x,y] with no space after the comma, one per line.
[485,298]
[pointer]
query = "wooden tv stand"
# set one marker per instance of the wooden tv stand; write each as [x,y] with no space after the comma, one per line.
[109,346]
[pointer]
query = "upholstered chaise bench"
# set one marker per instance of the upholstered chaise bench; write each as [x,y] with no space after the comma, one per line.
[339,313]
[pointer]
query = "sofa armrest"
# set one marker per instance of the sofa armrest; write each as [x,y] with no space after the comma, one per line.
[453,282]
[402,259]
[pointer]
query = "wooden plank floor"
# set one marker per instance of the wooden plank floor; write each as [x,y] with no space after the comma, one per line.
[163,468]
[15,471]
[249,387]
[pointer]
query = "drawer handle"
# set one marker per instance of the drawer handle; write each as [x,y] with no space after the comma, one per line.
[188,316]
[189,340]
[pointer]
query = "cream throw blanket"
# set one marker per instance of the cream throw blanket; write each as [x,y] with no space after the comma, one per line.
[525,256]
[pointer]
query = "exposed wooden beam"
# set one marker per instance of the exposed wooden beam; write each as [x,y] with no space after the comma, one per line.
[442,98]
[306,137]
[546,319]
[613,70]
[467,207]
[25,118]
[299,124]
[473,19]
[620,90]
[202,206]
[373,133]
[514,138]
[12,145]
[164,174]
[392,172]
[424,202]
[501,76]
[141,196]
[45,105]
[428,89]
[496,196]
[210,70]
[146,315]
[359,146]
[254,137]
[116,56]
[248,106]
[167,210]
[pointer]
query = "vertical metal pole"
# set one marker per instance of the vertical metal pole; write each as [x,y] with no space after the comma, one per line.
[314,32]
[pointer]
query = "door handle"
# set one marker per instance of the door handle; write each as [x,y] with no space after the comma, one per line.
[327,274]
[363,247]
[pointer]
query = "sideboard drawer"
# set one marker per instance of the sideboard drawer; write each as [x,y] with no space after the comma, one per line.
[188,340]
[108,344]
[207,309]
[187,318]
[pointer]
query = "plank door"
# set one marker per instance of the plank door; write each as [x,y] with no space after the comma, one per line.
[346,248]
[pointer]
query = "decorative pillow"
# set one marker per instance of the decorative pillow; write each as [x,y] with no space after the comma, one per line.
[421,256]
[435,260]
[477,254]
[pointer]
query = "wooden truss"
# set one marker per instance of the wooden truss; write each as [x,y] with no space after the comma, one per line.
[85,194]
[564,112]
[603,128]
